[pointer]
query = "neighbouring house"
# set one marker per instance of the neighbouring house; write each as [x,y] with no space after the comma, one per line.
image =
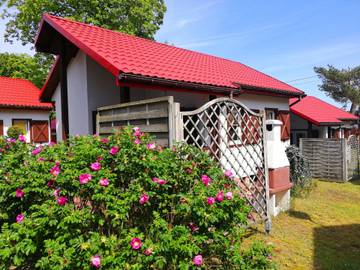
[97,67]
[20,106]
[314,118]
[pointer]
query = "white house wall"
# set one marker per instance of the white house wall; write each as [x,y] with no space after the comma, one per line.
[57,99]
[259,102]
[78,95]
[8,115]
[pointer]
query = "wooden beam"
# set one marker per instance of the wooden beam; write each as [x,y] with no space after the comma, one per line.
[64,90]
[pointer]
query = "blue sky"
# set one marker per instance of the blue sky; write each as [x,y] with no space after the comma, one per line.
[282,38]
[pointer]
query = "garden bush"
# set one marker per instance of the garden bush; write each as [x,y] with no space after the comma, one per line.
[299,172]
[120,203]
[14,132]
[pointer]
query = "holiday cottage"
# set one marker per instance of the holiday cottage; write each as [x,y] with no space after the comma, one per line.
[20,106]
[102,80]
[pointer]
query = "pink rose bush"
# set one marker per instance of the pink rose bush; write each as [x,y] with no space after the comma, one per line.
[108,203]
[96,261]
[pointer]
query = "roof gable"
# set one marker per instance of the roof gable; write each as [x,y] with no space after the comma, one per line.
[122,53]
[318,111]
[20,93]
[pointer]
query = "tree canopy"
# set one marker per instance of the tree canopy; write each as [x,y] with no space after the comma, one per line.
[24,66]
[138,17]
[343,85]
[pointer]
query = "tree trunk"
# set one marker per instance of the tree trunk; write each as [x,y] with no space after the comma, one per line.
[354,108]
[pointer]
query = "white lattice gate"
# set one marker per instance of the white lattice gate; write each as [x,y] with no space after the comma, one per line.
[234,136]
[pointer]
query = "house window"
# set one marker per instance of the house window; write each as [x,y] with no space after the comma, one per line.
[23,124]
[270,114]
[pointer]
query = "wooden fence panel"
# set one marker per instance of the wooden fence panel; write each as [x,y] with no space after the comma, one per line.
[326,158]
[155,116]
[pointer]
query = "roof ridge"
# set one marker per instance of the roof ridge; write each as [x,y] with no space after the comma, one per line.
[322,101]
[171,46]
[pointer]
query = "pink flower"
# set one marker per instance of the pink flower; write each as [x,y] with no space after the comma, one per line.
[36,151]
[189,171]
[137,141]
[228,173]
[96,166]
[55,171]
[56,192]
[114,150]
[193,227]
[229,195]
[198,260]
[99,159]
[85,178]
[40,159]
[104,140]
[135,243]
[96,261]
[11,140]
[220,196]
[19,193]
[22,138]
[137,132]
[50,183]
[205,179]
[151,146]
[159,181]
[144,198]
[61,200]
[20,218]
[211,200]
[104,182]
[148,251]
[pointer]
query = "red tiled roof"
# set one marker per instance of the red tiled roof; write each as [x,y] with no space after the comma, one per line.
[122,53]
[319,112]
[20,93]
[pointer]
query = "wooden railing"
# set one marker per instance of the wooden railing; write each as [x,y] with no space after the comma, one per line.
[158,116]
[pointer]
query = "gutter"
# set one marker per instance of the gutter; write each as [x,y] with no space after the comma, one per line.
[174,83]
[240,89]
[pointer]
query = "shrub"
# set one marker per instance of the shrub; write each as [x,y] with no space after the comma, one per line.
[299,172]
[15,132]
[120,203]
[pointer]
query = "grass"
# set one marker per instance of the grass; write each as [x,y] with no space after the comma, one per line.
[321,231]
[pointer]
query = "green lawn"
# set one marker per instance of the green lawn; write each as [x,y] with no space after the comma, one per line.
[321,231]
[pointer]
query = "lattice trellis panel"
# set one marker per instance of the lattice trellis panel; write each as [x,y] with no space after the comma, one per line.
[234,136]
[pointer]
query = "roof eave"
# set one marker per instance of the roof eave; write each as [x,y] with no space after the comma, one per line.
[177,84]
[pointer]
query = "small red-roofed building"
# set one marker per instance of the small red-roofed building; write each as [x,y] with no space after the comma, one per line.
[98,67]
[314,118]
[20,106]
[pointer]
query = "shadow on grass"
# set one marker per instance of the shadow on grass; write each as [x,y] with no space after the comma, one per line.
[355,181]
[299,215]
[337,247]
